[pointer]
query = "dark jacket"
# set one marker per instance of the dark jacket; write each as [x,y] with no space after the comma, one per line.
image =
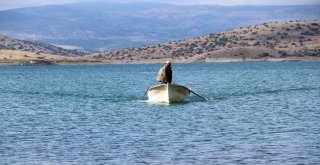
[165,74]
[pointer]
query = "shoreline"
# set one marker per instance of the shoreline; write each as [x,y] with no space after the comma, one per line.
[217,60]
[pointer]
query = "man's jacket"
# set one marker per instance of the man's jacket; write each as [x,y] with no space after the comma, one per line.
[165,74]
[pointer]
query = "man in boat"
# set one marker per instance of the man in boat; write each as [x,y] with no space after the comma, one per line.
[165,73]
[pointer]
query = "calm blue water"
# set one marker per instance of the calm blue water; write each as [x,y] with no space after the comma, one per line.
[256,113]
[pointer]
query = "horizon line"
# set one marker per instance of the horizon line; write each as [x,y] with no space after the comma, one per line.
[178,4]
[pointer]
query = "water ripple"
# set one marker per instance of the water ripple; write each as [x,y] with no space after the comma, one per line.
[256,113]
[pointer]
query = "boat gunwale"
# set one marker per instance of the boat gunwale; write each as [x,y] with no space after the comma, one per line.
[162,85]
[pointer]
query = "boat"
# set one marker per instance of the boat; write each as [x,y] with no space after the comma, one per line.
[168,93]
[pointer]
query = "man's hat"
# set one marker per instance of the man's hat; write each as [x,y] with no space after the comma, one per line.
[168,62]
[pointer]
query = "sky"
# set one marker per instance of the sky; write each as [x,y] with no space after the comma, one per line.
[10,4]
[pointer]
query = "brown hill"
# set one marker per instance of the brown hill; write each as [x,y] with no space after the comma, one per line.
[276,41]
[15,57]
[7,43]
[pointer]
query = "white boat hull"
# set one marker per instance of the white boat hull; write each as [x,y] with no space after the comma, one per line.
[168,93]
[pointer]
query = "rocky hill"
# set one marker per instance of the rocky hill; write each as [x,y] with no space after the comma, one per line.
[105,25]
[8,43]
[264,42]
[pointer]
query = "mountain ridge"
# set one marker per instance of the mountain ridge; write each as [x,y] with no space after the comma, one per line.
[275,41]
[103,29]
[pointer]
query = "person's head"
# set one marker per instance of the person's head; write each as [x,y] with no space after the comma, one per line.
[168,62]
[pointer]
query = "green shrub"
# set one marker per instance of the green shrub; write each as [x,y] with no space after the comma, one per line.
[256,43]
[264,55]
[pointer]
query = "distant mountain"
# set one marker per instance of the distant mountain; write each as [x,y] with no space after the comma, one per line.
[278,41]
[7,43]
[100,25]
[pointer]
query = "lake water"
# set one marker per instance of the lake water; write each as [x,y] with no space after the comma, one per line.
[256,113]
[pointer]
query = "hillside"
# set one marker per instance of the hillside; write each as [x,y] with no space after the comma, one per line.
[16,57]
[100,25]
[36,47]
[276,41]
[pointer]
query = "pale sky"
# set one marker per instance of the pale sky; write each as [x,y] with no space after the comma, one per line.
[9,4]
